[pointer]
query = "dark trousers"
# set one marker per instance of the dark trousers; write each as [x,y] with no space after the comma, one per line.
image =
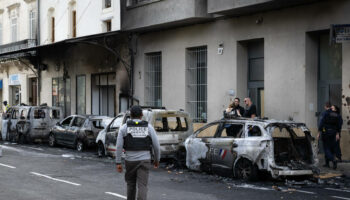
[337,149]
[137,173]
[329,146]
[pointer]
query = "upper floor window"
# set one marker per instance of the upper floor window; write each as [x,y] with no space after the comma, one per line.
[14,28]
[107,3]
[108,25]
[32,24]
[74,23]
[52,29]
[51,25]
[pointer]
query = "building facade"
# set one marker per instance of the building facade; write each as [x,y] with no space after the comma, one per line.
[210,52]
[18,30]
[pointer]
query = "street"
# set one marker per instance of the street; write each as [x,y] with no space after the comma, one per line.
[40,172]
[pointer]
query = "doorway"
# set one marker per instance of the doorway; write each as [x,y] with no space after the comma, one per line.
[256,74]
[33,91]
[15,94]
[103,94]
[329,72]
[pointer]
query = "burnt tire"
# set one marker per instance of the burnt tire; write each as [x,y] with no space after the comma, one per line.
[246,170]
[52,140]
[100,150]
[79,146]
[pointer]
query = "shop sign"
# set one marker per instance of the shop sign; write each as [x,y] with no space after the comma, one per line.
[14,79]
[340,33]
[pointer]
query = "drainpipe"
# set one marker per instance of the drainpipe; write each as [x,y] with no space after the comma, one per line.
[38,85]
[131,78]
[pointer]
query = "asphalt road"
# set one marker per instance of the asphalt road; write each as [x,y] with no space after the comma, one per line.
[35,172]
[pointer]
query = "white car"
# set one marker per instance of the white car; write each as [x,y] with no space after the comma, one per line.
[172,127]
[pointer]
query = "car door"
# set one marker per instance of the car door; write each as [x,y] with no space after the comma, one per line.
[224,144]
[203,142]
[39,120]
[112,133]
[61,129]
[73,130]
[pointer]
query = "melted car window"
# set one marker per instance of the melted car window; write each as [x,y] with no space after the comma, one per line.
[232,130]
[280,133]
[66,122]
[39,114]
[78,121]
[117,122]
[55,114]
[15,114]
[254,131]
[164,123]
[97,124]
[24,113]
[208,131]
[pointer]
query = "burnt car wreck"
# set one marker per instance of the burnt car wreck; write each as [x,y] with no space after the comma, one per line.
[245,147]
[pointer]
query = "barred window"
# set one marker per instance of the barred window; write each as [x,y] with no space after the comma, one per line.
[196,81]
[153,79]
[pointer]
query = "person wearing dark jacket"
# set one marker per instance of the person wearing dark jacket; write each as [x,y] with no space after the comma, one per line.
[337,148]
[329,128]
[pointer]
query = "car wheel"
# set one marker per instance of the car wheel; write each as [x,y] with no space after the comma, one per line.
[100,150]
[244,169]
[80,145]
[52,140]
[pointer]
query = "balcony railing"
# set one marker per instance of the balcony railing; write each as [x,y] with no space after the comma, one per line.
[15,46]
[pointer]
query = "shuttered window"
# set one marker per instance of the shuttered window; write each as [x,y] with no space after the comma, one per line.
[153,79]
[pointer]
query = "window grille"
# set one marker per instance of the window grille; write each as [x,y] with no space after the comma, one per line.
[196,81]
[153,79]
[32,25]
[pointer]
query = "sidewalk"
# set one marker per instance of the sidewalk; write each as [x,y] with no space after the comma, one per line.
[343,167]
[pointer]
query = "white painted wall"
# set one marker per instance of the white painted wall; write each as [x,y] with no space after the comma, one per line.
[90,17]
[22,9]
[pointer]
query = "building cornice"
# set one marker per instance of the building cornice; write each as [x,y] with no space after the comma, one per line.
[13,6]
[29,1]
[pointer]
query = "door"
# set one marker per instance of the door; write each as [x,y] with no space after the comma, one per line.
[33,94]
[61,129]
[40,122]
[225,143]
[329,73]
[112,133]
[72,132]
[103,95]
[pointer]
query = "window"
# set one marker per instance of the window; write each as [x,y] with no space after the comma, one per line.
[74,23]
[0,31]
[117,122]
[196,81]
[108,25]
[153,79]
[208,131]
[52,29]
[39,114]
[231,131]
[107,3]
[97,123]
[254,131]
[165,123]
[24,114]
[78,121]
[32,25]
[14,29]
[55,114]
[61,94]
[81,95]
[15,114]
[67,121]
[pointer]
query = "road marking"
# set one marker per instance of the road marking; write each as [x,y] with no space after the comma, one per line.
[117,195]
[55,179]
[336,197]
[306,192]
[9,166]
[339,190]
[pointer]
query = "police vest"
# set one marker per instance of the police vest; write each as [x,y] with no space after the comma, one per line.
[331,122]
[137,137]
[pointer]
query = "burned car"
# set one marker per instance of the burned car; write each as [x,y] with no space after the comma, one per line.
[172,128]
[28,123]
[77,131]
[243,147]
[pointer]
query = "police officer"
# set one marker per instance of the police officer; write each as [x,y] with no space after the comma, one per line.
[6,106]
[329,129]
[138,138]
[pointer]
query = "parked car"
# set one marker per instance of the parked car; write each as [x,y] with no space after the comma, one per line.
[77,131]
[243,147]
[28,123]
[172,128]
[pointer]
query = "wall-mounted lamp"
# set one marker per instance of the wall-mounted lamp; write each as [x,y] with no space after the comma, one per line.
[221,49]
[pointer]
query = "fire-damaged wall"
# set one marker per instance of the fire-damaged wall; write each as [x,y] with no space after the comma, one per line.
[345,136]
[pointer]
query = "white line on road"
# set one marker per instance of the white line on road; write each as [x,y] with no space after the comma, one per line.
[336,197]
[9,166]
[117,195]
[339,190]
[55,179]
[306,192]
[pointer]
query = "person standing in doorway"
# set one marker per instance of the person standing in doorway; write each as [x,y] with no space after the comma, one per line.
[250,111]
[239,109]
[337,147]
[138,138]
[329,129]
[6,106]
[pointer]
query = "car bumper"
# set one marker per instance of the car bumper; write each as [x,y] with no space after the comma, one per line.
[293,172]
